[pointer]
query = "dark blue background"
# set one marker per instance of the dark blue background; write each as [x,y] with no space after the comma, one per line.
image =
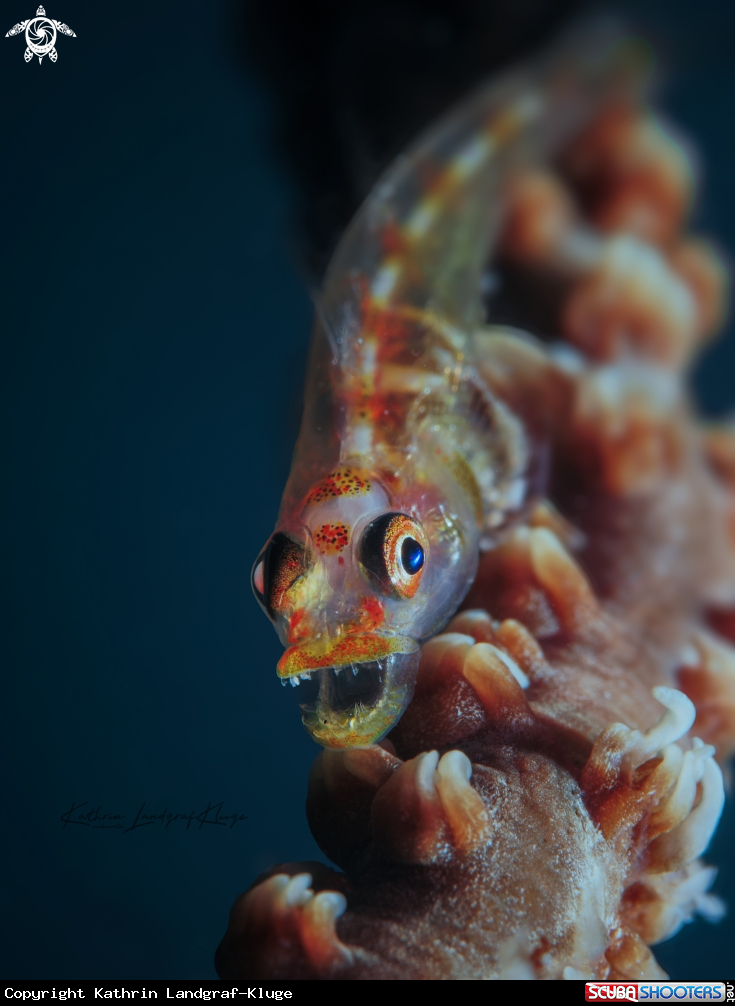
[154,331]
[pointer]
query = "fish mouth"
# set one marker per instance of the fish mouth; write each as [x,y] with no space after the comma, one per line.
[357,704]
[341,651]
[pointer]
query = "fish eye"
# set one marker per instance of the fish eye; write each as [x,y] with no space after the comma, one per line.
[282,562]
[412,556]
[393,553]
[257,578]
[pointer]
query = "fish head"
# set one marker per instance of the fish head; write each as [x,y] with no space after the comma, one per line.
[353,584]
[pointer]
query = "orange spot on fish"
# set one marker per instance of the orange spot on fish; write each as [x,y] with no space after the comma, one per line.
[297,627]
[340,482]
[331,539]
[371,616]
[393,241]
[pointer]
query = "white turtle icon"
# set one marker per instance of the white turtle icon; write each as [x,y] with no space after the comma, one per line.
[40,35]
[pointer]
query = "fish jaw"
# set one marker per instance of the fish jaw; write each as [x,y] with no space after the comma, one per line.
[342,651]
[365,684]
[360,725]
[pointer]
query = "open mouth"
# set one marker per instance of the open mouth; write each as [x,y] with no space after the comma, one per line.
[357,704]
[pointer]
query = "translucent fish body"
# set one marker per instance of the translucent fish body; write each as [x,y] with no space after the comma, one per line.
[407,466]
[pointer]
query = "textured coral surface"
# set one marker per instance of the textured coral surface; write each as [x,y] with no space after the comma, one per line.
[541,809]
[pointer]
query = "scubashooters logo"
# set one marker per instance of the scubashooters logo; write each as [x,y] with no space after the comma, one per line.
[40,35]
[640,991]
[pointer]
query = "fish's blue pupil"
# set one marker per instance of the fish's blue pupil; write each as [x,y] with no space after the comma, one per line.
[412,555]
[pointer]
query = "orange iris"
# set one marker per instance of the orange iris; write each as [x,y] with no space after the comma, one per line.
[394,551]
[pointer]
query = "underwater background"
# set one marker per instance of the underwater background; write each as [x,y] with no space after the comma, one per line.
[171,189]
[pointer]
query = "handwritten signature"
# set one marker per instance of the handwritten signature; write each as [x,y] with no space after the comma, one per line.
[93,817]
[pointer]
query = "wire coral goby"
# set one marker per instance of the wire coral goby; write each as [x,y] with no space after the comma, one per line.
[401,425]
[540,807]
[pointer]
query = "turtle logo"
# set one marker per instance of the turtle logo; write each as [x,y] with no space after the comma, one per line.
[40,35]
